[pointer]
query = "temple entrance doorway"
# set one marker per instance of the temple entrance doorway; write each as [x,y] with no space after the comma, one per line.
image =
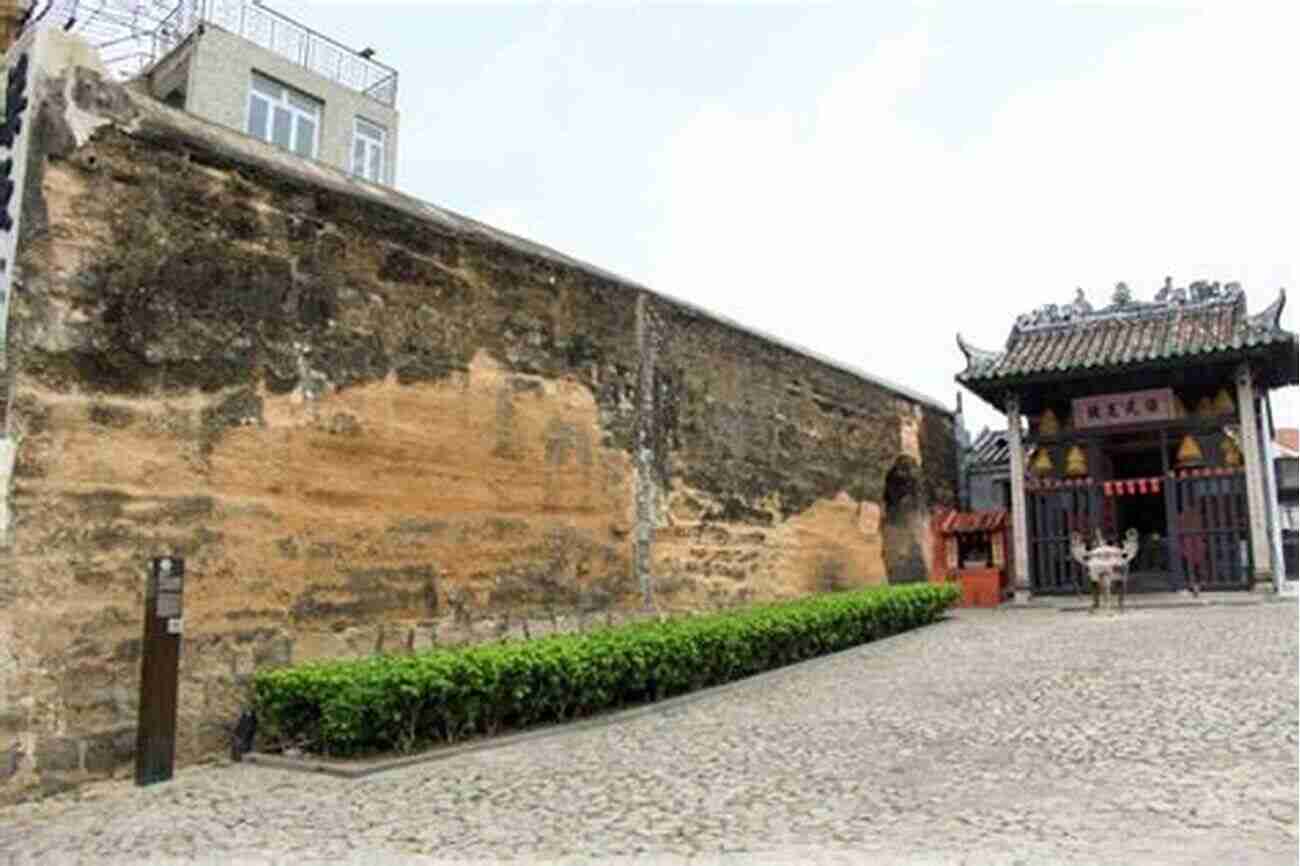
[1136,499]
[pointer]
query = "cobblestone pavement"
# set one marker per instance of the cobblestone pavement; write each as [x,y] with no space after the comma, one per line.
[1160,737]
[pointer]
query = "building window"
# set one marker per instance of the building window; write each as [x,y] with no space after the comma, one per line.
[1290,517]
[368,150]
[283,116]
[1004,493]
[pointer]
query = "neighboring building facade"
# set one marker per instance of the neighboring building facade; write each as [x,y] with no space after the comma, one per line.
[988,478]
[241,65]
[1146,416]
[1286,460]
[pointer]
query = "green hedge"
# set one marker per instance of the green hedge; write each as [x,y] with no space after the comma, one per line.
[388,703]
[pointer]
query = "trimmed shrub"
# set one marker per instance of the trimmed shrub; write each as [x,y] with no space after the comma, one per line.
[399,703]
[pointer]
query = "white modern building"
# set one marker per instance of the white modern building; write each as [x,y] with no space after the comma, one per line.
[247,67]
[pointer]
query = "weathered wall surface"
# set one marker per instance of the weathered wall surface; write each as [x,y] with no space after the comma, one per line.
[734,414]
[369,430]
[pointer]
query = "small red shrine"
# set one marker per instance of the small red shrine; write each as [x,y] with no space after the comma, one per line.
[975,545]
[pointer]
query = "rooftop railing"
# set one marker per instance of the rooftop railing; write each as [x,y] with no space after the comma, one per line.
[284,36]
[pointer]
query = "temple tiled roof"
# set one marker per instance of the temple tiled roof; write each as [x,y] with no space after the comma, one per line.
[990,449]
[1201,322]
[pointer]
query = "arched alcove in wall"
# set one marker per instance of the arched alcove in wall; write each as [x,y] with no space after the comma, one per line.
[903,524]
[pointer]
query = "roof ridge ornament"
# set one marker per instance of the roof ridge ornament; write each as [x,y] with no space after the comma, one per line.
[1123,296]
[1168,294]
[1269,318]
[976,357]
[1124,304]
[1054,314]
[1204,291]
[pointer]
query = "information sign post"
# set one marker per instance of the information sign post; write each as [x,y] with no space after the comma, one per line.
[155,747]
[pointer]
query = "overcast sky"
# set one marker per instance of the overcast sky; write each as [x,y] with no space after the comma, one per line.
[864,179]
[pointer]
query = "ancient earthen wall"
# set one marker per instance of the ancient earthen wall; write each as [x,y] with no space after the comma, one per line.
[772,465]
[369,428]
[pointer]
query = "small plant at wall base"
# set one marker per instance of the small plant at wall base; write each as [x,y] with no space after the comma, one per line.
[401,703]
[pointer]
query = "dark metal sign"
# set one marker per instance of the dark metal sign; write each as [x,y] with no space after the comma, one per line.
[13,160]
[15,107]
[155,749]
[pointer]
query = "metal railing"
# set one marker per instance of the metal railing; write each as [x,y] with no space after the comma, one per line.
[284,36]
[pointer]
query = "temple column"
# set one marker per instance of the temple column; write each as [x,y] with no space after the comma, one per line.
[1019,523]
[1261,557]
[1268,461]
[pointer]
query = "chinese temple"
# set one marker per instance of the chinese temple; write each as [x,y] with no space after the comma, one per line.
[1147,415]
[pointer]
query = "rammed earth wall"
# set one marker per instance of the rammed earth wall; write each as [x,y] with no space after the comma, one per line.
[370,425]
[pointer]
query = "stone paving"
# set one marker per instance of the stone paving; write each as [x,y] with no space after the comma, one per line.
[1165,736]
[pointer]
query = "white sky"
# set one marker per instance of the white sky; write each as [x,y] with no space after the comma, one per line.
[869,179]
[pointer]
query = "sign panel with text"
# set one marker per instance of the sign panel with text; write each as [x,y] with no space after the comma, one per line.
[1132,407]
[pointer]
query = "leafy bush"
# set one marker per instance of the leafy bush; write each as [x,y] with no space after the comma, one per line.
[387,703]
